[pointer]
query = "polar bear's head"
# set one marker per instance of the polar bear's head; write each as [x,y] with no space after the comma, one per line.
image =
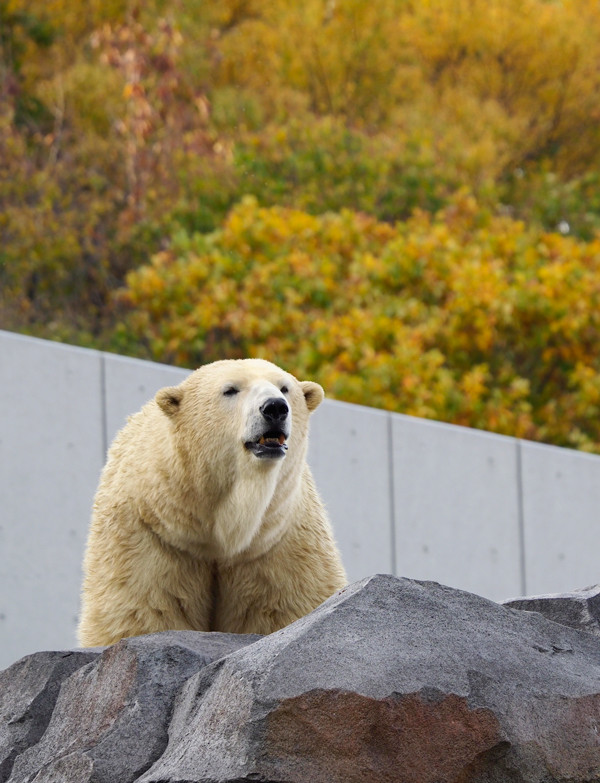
[248,409]
[239,429]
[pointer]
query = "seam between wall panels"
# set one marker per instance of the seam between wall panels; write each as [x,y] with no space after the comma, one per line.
[392,502]
[521,520]
[103,407]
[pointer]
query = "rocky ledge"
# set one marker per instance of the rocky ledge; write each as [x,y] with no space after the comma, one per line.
[389,680]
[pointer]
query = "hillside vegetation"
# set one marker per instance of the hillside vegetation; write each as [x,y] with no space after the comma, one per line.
[400,200]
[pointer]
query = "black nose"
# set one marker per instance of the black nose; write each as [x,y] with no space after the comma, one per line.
[275,410]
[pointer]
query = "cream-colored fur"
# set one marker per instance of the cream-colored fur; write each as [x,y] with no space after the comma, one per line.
[192,530]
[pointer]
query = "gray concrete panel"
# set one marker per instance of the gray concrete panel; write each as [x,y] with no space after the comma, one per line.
[349,457]
[129,384]
[561,511]
[50,458]
[462,501]
[456,506]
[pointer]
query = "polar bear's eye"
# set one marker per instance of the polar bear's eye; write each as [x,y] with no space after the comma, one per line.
[230,391]
[284,389]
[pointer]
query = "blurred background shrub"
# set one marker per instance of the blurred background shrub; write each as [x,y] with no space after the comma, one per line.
[399,199]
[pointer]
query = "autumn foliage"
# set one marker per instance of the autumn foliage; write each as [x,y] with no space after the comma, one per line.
[400,200]
[460,316]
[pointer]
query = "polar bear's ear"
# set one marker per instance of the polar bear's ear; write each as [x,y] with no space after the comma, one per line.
[313,394]
[168,399]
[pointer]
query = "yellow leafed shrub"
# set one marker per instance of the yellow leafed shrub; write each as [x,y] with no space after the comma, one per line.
[125,128]
[463,316]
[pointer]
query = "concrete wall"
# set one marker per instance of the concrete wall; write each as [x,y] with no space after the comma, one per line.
[486,513]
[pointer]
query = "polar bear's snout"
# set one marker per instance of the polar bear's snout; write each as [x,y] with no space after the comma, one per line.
[272,431]
[275,410]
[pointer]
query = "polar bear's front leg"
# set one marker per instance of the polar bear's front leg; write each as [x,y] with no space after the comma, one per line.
[143,586]
[277,588]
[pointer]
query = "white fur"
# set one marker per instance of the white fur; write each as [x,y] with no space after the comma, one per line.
[191,529]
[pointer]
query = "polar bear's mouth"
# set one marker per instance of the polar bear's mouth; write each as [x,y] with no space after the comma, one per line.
[270,445]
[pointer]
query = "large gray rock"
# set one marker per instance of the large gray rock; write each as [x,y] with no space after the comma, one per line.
[579,609]
[110,720]
[389,680]
[395,680]
[28,692]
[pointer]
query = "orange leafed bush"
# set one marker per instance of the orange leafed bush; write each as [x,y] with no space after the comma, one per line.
[127,127]
[463,316]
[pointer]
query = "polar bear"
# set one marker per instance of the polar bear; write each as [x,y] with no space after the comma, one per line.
[206,516]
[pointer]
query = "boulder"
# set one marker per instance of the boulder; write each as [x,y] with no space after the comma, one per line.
[111,716]
[394,680]
[390,680]
[579,609]
[28,692]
